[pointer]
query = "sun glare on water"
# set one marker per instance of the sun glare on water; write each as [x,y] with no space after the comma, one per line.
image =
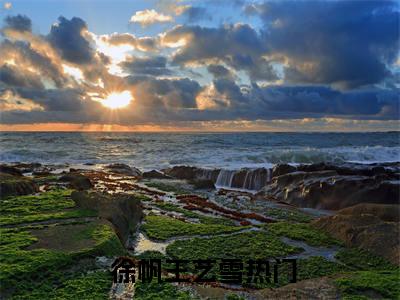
[117,100]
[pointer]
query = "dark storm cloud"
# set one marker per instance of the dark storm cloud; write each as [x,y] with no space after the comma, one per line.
[69,100]
[164,93]
[18,22]
[348,43]
[208,43]
[237,45]
[12,76]
[155,66]
[26,56]
[219,71]
[195,14]
[66,36]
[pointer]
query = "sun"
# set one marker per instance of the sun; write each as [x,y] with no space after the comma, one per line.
[117,100]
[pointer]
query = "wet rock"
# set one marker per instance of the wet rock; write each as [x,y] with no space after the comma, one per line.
[27,167]
[16,185]
[352,169]
[282,169]
[10,170]
[122,210]
[366,231]
[42,171]
[154,174]
[77,181]
[181,172]
[202,184]
[329,190]
[123,169]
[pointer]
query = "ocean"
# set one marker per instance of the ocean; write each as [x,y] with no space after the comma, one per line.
[229,151]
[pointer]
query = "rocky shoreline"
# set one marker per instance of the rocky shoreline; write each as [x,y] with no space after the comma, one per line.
[350,212]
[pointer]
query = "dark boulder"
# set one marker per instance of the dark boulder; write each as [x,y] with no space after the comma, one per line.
[154,174]
[123,169]
[182,172]
[77,181]
[202,183]
[282,169]
[10,170]
[16,185]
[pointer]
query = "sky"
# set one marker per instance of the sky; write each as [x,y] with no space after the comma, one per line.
[231,65]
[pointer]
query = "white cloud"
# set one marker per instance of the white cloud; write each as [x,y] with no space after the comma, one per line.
[150,16]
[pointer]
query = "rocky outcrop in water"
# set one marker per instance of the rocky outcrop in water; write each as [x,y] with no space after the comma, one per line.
[122,210]
[123,169]
[327,189]
[154,174]
[77,181]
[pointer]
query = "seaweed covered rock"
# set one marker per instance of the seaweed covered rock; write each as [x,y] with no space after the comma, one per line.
[122,210]
[385,212]
[366,231]
[77,181]
[16,185]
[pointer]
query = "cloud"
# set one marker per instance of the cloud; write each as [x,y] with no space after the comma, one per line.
[12,76]
[238,46]
[295,66]
[150,16]
[139,43]
[219,71]
[67,37]
[18,22]
[155,66]
[344,43]
[23,58]
[193,13]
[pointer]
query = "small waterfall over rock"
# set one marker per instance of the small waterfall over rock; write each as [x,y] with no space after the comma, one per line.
[225,178]
[245,179]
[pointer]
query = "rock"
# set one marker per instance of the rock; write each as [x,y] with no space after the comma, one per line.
[124,170]
[77,181]
[10,170]
[154,174]
[385,212]
[365,231]
[16,185]
[352,169]
[27,167]
[122,210]
[282,169]
[42,171]
[181,172]
[315,288]
[329,190]
[202,184]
